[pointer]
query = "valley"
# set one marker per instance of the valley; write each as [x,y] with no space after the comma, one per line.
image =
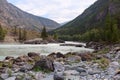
[33,47]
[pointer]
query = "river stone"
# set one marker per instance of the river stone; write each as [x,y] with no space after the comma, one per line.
[44,64]
[117,75]
[11,78]
[58,67]
[58,72]
[58,76]
[68,67]
[60,55]
[74,58]
[4,76]
[9,58]
[92,72]
[86,56]
[39,76]
[80,70]
[114,66]
[117,49]
[1,78]
[23,58]
[33,54]
[70,72]
[71,75]
[56,55]
[23,70]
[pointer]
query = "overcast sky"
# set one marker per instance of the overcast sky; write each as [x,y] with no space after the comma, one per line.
[58,10]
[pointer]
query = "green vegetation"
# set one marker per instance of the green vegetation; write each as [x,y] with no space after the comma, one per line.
[2,33]
[103,51]
[37,69]
[9,72]
[109,33]
[55,36]
[22,34]
[44,34]
[103,63]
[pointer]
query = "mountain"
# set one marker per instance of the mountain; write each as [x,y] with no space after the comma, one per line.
[64,23]
[11,16]
[93,17]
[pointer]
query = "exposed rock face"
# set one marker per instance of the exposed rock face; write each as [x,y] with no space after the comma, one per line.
[13,16]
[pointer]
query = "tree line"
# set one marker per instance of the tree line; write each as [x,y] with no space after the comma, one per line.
[109,33]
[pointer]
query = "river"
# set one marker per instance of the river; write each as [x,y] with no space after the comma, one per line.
[16,50]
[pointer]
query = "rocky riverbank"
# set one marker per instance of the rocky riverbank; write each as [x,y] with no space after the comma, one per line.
[41,41]
[102,64]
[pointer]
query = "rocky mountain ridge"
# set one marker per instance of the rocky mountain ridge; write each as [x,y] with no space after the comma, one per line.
[93,17]
[11,16]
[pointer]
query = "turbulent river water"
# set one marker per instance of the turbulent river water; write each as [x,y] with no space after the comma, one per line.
[44,49]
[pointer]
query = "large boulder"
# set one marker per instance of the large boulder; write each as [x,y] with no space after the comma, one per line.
[94,45]
[33,54]
[23,58]
[59,71]
[73,58]
[58,67]
[71,75]
[113,67]
[52,55]
[11,78]
[117,75]
[9,58]
[44,64]
[86,56]
[58,76]
[56,55]
[60,55]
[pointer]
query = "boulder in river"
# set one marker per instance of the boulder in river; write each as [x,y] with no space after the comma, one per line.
[33,54]
[56,55]
[9,58]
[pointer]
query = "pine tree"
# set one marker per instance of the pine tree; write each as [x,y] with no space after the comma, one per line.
[44,33]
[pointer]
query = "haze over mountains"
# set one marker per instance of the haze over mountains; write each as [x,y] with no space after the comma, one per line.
[11,16]
[93,17]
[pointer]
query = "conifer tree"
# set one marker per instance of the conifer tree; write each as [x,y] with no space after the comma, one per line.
[44,33]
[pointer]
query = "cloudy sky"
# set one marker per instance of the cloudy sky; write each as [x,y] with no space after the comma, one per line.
[58,10]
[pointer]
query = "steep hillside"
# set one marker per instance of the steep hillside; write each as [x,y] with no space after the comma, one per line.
[93,17]
[11,16]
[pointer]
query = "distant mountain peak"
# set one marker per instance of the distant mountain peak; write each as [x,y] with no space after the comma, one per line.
[11,16]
